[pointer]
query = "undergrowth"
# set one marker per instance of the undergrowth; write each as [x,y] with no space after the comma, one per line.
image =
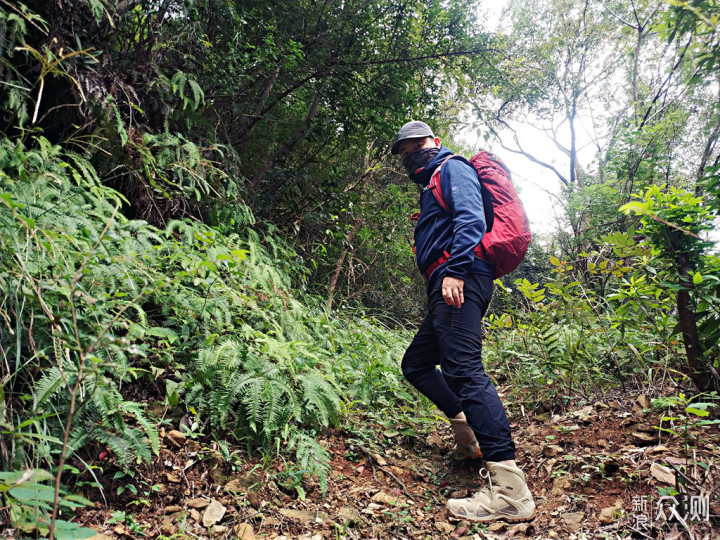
[96,305]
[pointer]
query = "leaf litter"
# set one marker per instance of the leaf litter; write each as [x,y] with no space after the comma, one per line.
[597,472]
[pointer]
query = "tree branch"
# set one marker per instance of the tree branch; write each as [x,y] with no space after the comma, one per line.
[521,151]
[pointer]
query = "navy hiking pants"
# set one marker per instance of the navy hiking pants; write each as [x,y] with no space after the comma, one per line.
[452,338]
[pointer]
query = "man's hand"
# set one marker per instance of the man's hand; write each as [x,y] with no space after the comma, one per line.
[452,291]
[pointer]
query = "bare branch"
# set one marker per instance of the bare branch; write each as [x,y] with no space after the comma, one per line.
[522,152]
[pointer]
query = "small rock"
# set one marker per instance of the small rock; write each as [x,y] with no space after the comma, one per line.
[100,536]
[219,529]
[168,527]
[171,509]
[497,526]
[234,486]
[384,498]
[663,474]
[552,450]
[370,509]
[642,402]
[194,514]
[197,503]
[655,450]
[519,528]
[213,513]
[304,515]
[121,530]
[350,514]
[642,438]
[176,437]
[172,477]
[615,405]
[244,531]
[585,414]
[609,514]
[560,485]
[379,460]
[444,527]
[573,520]
[462,529]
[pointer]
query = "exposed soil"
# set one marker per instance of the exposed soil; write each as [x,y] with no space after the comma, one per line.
[597,471]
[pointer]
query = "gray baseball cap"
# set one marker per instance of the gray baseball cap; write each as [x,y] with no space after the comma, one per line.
[412,130]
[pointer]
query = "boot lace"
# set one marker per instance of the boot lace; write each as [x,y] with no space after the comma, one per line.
[486,475]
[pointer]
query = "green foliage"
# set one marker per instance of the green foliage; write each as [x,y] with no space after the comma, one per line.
[676,223]
[30,500]
[132,262]
[687,417]
[208,314]
[568,333]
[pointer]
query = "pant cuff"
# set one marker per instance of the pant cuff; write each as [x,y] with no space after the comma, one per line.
[503,455]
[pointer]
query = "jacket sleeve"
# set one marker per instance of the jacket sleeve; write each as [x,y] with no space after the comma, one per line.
[461,189]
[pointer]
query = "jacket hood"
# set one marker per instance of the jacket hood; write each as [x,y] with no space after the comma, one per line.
[422,176]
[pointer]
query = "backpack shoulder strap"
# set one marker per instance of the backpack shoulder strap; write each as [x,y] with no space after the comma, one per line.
[435,183]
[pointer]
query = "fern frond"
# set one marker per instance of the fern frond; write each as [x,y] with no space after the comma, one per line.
[148,427]
[311,457]
[320,398]
[47,386]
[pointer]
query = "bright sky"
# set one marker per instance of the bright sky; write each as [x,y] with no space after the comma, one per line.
[535,183]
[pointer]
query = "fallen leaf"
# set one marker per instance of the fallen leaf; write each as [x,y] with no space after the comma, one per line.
[662,474]
[176,438]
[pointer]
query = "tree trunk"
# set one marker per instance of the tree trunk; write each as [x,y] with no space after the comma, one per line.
[338,267]
[686,315]
[285,148]
[256,114]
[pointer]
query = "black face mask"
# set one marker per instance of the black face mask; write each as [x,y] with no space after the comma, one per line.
[420,159]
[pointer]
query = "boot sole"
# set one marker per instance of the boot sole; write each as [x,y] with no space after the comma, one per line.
[491,519]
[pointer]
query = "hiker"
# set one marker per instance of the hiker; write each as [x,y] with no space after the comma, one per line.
[459,289]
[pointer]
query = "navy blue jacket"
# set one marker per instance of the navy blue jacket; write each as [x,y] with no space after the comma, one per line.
[456,232]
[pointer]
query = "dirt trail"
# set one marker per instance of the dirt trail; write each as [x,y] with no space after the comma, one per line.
[597,471]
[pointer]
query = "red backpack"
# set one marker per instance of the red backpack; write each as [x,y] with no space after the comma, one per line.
[508,231]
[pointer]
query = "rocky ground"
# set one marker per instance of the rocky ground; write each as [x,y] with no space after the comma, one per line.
[597,471]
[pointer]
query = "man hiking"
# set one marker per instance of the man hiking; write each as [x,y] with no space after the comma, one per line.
[459,289]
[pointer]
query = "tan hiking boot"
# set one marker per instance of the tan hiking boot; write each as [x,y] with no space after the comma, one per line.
[506,496]
[466,445]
